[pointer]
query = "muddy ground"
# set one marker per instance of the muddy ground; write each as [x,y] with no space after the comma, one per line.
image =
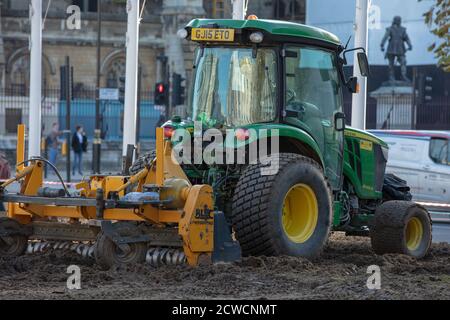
[340,273]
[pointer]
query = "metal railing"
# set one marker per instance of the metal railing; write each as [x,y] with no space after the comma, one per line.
[14,107]
[398,113]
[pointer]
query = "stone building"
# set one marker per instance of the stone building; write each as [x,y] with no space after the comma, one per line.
[160,21]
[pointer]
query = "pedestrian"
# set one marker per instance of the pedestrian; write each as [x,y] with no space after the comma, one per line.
[5,173]
[53,143]
[79,145]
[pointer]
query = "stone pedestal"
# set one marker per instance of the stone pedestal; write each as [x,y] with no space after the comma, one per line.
[394,105]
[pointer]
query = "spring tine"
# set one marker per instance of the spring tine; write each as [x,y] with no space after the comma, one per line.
[148,256]
[175,256]
[30,248]
[91,252]
[80,249]
[181,258]
[162,256]
[85,251]
[36,247]
[169,255]
[155,257]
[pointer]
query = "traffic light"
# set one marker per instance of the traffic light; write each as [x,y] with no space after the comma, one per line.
[177,89]
[122,89]
[425,89]
[161,93]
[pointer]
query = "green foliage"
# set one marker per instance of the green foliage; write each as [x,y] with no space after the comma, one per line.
[438,19]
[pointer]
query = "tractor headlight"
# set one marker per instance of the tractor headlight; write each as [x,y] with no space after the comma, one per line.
[385,153]
[182,33]
[256,37]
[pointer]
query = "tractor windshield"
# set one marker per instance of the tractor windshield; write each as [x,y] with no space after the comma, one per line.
[233,87]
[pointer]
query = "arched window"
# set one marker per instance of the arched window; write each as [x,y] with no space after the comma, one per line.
[19,76]
[115,70]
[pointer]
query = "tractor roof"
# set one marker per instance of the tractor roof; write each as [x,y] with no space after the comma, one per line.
[275,27]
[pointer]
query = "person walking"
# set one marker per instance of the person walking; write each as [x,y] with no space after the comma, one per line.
[53,143]
[5,173]
[79,145]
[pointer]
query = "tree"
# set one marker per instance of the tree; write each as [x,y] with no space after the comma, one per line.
[438,19]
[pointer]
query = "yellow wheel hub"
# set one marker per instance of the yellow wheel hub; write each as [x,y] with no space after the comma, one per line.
[414,233]
[300,213]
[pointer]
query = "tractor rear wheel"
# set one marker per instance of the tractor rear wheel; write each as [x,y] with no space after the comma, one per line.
[401,227]
[285,213]
[108,254]
[142,161]
[15,244]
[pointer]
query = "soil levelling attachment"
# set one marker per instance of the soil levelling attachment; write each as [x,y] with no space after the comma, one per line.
[156,215]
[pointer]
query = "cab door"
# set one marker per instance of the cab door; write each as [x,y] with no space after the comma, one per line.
[313,102]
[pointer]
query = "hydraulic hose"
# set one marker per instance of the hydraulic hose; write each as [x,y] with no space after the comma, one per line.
[52,166]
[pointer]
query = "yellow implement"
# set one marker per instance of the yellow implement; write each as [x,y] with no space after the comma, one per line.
[125,217]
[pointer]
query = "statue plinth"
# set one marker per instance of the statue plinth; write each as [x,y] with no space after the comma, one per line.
[394,104]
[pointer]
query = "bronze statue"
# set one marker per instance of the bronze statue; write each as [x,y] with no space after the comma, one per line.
[397,36]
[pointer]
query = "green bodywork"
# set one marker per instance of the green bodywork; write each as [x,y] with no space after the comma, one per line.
[276,28]
[360,156]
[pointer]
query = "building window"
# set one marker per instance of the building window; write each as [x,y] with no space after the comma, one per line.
[293,10]
[19,76]
[86,5]
[13,117]
[115,71]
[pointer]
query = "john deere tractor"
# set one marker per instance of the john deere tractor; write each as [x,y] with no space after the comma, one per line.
[288,78]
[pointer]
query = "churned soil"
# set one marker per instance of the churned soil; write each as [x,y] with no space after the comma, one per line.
[340,273]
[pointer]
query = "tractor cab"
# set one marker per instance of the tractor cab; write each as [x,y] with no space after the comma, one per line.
[254,72]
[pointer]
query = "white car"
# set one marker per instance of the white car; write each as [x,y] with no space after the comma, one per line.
[422,158]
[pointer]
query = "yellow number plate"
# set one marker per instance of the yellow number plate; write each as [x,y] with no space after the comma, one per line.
[204,34]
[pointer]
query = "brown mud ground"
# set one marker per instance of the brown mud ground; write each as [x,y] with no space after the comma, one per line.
[340,273]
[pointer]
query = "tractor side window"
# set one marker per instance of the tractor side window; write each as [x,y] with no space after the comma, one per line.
[312,83]
[313,97]
[439,151]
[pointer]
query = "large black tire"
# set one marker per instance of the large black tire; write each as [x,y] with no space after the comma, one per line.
[107,253]
[401,227]
[142,162]
[258,208]
[12,245]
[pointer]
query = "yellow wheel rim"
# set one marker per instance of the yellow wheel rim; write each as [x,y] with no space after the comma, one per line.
[300,213]
[414,234]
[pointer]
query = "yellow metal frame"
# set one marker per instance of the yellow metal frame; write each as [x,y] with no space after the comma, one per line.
[195,230]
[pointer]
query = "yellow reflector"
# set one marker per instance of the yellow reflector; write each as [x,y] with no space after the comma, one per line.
[64,148]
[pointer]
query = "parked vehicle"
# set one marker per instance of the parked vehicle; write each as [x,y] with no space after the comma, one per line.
[422,158]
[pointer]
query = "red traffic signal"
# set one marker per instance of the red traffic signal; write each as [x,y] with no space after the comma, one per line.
[160,88]
[161,93]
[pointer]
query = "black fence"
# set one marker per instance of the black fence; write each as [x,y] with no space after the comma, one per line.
[396,114]
[14,108]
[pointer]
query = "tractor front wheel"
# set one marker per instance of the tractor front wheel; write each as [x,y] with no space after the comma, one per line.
[287,212]
[401,227]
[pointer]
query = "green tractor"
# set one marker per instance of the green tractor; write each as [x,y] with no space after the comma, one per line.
[253,76]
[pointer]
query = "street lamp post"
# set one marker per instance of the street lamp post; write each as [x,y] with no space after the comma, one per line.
[359,100]
[131,72]
[97,132]
[34,136]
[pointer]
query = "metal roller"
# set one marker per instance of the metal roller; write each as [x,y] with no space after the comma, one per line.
[83,249]
[165,256]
